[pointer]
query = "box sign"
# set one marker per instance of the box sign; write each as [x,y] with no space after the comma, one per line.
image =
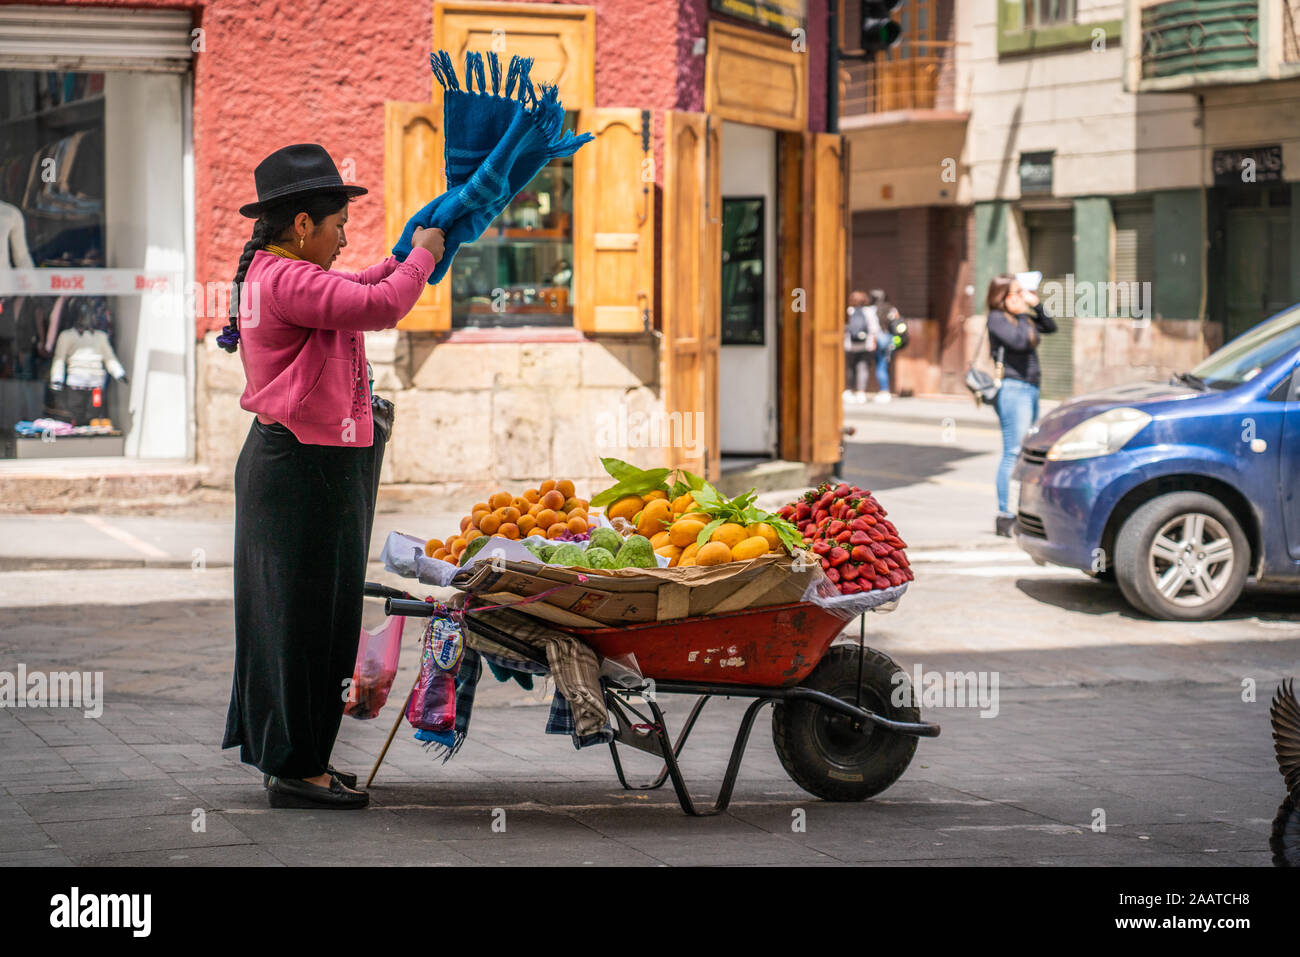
[783,16]
[1252,164]
[1036,172]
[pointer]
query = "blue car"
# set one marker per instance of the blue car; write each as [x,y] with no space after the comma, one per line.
[1180,492]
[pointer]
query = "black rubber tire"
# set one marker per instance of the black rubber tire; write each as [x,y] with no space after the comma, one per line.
[820,751]
[1132,547]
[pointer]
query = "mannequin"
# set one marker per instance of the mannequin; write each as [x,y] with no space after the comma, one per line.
[13,239]
[81,354]
[13,253]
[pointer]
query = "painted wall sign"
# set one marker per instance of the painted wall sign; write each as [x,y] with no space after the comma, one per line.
[1251,164]
[782,16]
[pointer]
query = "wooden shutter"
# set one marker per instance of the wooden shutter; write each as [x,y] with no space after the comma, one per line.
[414,174]
[826,302]
[692,269]
[613,224]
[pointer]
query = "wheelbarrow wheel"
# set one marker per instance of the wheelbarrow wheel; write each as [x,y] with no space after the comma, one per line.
[821,750]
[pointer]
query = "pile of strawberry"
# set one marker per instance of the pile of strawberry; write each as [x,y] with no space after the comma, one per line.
[859,548]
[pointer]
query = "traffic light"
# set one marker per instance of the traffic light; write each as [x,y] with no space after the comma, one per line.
[879,30]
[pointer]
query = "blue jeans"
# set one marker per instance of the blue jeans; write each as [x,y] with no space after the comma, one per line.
[884,345]
[1017,406]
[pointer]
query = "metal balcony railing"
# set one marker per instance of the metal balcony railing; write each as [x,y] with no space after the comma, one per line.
[1182,37]
[904,81]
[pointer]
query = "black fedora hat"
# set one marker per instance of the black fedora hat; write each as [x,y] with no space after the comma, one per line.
[292,171]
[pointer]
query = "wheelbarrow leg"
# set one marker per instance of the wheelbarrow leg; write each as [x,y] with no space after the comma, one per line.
[733,766]
[658,782]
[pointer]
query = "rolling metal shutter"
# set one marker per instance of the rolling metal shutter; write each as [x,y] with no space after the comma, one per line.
[1134,259]
[1051,252]
[90,39]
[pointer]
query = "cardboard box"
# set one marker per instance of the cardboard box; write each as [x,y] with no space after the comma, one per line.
[593,597]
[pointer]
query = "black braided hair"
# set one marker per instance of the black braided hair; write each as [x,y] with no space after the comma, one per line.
[270,226]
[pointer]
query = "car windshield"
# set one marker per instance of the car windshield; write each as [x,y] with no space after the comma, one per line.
[1248,355]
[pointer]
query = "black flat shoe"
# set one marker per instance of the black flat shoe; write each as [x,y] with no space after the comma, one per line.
[283,792]
[347,780]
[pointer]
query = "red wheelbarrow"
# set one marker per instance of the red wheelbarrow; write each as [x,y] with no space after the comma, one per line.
[844,718]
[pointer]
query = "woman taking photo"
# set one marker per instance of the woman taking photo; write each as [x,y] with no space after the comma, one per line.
[306,479]
[1017,322]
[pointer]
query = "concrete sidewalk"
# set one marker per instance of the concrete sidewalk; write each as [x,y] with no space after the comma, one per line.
[1183,771]
[937,412]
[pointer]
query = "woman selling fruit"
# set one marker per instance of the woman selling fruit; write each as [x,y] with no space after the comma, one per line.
[306,479]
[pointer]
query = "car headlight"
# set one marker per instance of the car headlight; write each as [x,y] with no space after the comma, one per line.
[1102,434]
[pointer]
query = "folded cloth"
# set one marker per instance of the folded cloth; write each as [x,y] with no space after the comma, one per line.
[494,146]
[561,721]
[573,664]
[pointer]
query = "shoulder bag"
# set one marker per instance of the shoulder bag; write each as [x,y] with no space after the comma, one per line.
[982,386]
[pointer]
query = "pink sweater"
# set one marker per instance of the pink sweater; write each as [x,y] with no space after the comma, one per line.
[303,353]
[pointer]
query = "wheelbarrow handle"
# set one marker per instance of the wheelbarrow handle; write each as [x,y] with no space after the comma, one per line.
[376,590]
[410,607]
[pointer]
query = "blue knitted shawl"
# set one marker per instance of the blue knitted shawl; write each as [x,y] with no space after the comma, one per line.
[496,142]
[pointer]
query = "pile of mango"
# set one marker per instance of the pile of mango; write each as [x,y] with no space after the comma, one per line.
[674,531]
[550,510]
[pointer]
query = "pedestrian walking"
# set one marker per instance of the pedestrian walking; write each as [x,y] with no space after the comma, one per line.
[859,341]
[887,317]
[868,341]
[1016,324]
[308,474]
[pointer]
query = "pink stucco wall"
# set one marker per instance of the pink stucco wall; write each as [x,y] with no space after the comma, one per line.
[271,74]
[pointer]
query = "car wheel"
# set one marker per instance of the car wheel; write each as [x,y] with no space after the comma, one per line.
[1182,557]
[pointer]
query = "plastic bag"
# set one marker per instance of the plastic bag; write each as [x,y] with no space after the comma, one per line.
[622,670]
[821,591]
[433,704]
[375,669]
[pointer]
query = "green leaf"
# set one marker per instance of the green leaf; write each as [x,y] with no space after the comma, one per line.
[702,539]
[620,470]
[638,484]
[706,496]
[692,481]
[788,533]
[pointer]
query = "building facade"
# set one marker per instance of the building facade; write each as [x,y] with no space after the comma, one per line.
[670,295]
[906,120]
[1139,154]
[1136,154]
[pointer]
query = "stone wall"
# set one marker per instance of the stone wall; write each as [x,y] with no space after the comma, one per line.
[1110,352]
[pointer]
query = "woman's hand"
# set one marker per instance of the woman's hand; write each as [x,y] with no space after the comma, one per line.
[430,239]
[1030,297]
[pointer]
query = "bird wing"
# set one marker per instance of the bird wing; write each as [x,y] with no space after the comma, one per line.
[1284,713]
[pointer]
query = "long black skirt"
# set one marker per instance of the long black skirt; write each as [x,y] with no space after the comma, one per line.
[303,515]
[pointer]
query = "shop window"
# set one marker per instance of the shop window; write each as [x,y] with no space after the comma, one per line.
[1048,13]
[52,190]
[520,271]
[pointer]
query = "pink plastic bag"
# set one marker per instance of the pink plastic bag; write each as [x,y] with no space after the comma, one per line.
[376,667]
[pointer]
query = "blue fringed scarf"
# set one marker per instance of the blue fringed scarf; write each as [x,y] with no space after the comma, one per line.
[496,143]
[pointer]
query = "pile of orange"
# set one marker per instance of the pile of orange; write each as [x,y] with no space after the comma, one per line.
[551,509]
[673,529]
